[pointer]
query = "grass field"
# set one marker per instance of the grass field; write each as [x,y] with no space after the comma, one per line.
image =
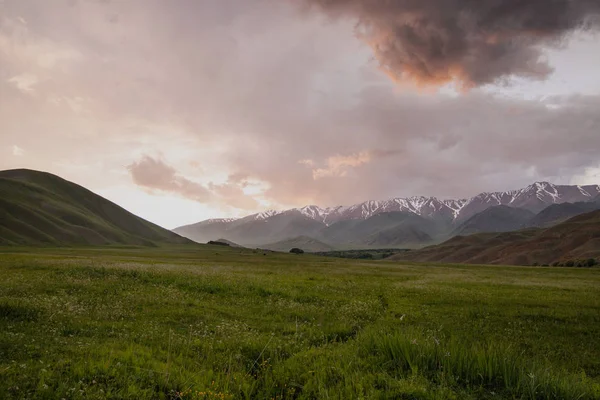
[224,323]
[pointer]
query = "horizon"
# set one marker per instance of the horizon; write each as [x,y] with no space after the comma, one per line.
[185,111]
[336,207]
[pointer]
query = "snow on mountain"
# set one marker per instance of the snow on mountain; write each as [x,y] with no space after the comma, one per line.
[534,197]
[266,214]
[216,221]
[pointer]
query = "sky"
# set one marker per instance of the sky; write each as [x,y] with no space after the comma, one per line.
[184,110]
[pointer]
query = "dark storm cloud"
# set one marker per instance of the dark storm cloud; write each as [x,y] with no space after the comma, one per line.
[474,42]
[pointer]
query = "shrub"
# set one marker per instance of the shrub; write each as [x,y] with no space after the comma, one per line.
[296,250]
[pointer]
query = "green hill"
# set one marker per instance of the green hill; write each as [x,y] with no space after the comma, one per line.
[38,208]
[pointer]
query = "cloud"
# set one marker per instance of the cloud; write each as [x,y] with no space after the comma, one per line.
[233,195]
[338,165]
[23,49]
[154,174]
[24,82]
[17,151]
[440,146]
[245,100]
[433,42]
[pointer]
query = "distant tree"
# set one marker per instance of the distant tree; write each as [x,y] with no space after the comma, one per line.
[591,262]
[569,263]
[296,250]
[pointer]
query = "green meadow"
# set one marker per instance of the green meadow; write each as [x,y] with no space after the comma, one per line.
[210,322]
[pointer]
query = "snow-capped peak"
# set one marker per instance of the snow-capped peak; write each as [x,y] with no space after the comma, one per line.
[266,214]
[534,197]
[217,221]
[314,212]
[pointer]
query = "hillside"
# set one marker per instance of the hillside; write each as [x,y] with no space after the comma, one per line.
[384,229]
[576,238]
[229,243]
[40,208]
[305,243]
[253,231]
[557,213]
[495,219]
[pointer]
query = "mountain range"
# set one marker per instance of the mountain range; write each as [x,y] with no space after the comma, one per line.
[38,208]
[401,222]
[552,224]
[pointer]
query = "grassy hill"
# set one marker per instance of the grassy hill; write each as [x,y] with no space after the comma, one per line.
[38,208]
[576,238]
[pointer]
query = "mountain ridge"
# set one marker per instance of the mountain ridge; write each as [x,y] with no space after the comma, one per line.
[449,213]
[422,205]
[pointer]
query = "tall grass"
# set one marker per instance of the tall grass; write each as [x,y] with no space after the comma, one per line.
[494,368]
[140,324]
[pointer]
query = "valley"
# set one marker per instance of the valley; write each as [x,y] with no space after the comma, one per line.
[98,303]
[214,322]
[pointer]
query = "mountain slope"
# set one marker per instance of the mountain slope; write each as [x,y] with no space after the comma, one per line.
[556,213]
[576,238]
[41,208]
[495,219]
[229,243]
[446,214]
[254,230]
[384,229]
[303,242]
